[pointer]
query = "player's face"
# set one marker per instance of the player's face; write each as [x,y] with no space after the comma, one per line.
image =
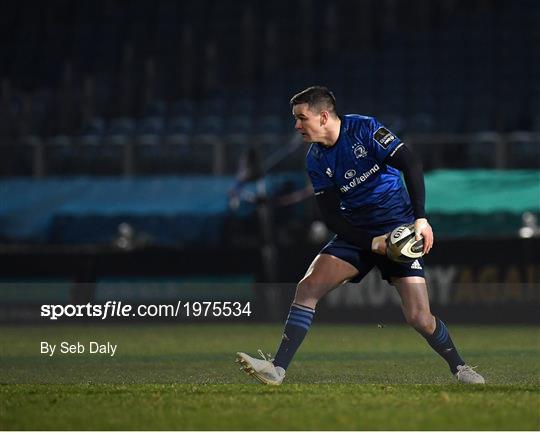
[308,123]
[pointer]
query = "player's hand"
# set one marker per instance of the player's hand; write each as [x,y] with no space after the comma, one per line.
[422,227]
[378,244]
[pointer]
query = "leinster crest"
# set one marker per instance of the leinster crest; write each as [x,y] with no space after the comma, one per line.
[360,151]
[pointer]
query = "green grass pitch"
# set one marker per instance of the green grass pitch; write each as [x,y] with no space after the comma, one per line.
[182,377]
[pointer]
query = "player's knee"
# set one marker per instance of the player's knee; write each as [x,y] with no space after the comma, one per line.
[422,321]
[309,290]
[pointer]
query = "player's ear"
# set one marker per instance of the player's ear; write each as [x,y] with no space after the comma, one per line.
[324,117]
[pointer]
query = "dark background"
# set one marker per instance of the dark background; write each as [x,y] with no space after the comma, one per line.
[157,96]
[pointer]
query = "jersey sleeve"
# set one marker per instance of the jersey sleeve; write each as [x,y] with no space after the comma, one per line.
[319,178]
[381,140]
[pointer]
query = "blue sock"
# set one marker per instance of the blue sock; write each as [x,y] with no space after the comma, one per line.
[441,342]
[296,327]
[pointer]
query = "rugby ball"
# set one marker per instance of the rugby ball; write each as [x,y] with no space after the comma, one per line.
[402,246]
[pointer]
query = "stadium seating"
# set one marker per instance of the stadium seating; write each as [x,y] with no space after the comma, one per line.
[131,76]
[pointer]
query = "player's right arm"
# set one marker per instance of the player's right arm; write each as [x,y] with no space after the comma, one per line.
[328,201]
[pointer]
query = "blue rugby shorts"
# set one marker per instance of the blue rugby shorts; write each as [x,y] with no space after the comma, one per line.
[364,261]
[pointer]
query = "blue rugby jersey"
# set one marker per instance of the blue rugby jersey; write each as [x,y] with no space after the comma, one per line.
[373,196]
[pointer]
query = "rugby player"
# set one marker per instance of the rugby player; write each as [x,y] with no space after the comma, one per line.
[354,164]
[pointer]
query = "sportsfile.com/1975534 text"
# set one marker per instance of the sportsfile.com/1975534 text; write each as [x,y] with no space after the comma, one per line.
[119,310]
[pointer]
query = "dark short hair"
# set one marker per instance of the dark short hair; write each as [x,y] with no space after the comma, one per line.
[318,98]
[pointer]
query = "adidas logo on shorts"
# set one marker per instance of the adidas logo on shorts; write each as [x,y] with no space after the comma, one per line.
[416,265]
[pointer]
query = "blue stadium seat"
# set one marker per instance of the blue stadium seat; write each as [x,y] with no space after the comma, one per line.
[182,107]
[239,124]
[242,104]
[178,132]
[120,131]
[181,124]
[151,125]
[210,124]
[269,124]
[93,132]
[61,141]
[156,108]
[212,106]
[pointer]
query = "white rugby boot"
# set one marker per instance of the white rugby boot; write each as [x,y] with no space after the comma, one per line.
[466,374]
[261,369]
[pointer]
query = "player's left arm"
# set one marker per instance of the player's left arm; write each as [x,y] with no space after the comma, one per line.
[411,167]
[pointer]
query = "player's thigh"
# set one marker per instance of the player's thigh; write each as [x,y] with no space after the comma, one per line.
[329,269]
[408,279]
[325,273]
